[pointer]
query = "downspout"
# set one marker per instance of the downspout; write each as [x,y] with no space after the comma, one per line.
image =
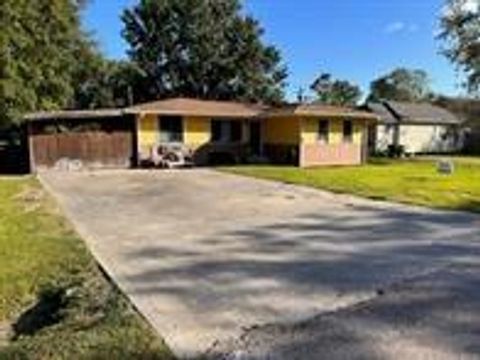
[300,143]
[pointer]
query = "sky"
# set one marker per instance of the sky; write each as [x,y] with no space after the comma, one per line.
[356,40]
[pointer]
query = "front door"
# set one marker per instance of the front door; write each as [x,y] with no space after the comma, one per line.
[255,140]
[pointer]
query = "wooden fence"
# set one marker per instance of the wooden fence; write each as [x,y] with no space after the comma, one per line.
[92,149]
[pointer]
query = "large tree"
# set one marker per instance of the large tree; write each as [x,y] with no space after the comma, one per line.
[335,92]
[401,85]
[41,43]
[202,48]
[103,83]
[461,33]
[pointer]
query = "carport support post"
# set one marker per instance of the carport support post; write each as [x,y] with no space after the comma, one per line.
[364,145]
[135,142]
[300,161]
[31,152]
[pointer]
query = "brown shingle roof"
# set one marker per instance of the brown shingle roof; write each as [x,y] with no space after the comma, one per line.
[421,113]
[321,111]
[209,108]
[384,115]
[196,107]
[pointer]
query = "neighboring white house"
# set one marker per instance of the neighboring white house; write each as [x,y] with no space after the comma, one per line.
[418,127]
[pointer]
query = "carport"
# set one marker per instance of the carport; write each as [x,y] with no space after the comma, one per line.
[86,139]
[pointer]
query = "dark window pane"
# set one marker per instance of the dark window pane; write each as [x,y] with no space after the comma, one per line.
[323,130]
[226,131]
[216,130]
[347,130]
[235,131]
[171,129]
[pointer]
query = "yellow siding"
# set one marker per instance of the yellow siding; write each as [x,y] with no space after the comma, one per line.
[336,131]
[281,131]
[147,125]
[358,127]
[197,131]
[310,128]
[276,130]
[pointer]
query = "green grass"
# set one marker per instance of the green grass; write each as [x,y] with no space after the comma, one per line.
[59,303]
[412,182]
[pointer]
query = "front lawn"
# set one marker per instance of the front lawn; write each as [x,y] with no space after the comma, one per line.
[55,303]
[407,181]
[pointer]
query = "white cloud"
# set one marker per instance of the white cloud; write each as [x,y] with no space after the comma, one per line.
[413,28]
[395,27]
[401,27]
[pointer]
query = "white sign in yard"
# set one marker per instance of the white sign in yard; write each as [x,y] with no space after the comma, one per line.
[445,166]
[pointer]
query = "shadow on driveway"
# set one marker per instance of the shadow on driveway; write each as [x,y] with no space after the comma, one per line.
[206,256]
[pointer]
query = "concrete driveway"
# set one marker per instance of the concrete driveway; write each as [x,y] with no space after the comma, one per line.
[207,256]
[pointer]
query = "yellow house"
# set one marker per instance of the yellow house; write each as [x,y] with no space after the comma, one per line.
[213,132]
[314,135]
[225,132]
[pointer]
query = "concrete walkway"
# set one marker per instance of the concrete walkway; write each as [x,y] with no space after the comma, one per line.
[206,256]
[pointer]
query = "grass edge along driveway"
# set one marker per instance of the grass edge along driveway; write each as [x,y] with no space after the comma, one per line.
[406,181]
[55,300]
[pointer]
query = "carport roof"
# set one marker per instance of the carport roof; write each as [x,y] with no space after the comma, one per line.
[73,114]
[197,107]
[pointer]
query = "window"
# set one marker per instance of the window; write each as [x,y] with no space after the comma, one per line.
[171,129]
[347,130]
[235,131]
[216,130]
[323,130]
[225,131]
